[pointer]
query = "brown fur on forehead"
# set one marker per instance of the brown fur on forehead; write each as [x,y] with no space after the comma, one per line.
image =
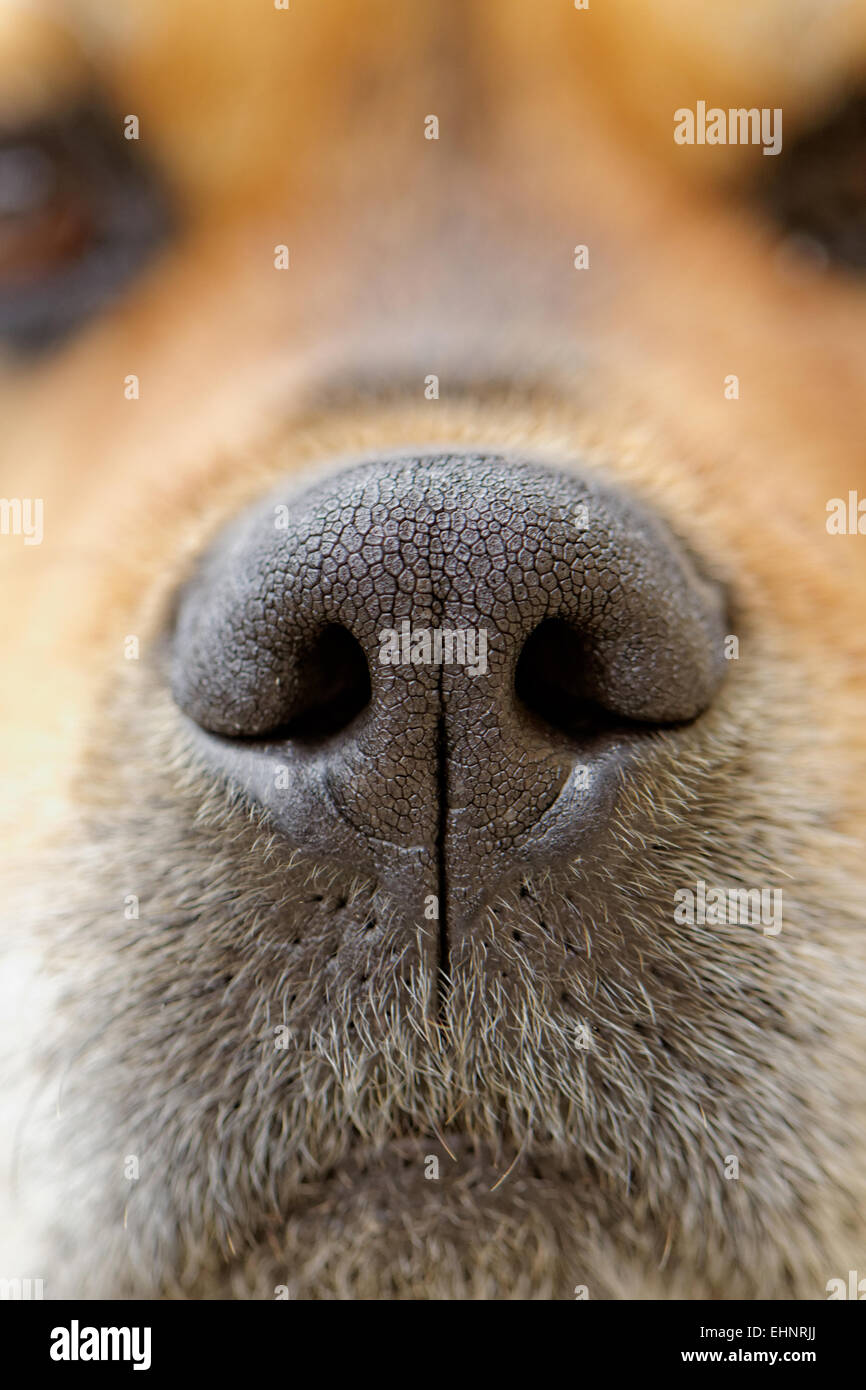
[664,240]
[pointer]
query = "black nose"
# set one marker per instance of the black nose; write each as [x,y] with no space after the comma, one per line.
[433,669]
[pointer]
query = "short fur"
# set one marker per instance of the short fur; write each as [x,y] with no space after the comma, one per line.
[560,1165]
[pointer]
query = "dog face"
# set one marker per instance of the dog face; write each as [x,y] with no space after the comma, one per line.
[435,753]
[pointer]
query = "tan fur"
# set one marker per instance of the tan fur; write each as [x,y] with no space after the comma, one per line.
[452,257]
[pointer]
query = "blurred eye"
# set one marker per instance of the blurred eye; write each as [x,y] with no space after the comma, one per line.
[79,214]
[816,193]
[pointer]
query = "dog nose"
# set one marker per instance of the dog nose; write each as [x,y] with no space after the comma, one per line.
[434,669]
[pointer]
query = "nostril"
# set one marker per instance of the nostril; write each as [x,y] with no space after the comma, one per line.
[331,689]
[551,681]
[564,678]
[320,692]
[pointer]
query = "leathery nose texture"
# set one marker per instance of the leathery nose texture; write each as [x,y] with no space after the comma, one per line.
[446,771]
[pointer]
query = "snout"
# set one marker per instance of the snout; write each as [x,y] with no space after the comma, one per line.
[435,669]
